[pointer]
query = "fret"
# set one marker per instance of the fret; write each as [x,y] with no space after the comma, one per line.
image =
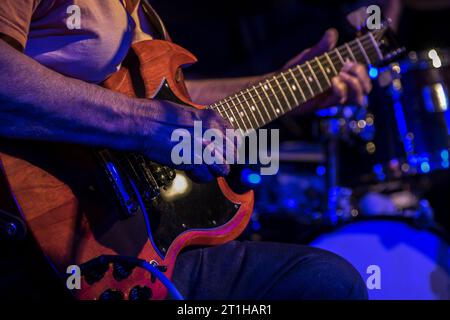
[299,88]
[325,75]
[339,56]
[306,80]
[237,117]
[228,117]
[243,111]
[377,49]
[249,108]
[351,52]
[277,110]
[314,76]
[363,52]
[264,106]
[282,92]
[331,63]
[290,89]
[229,114]
[264,89]
[254,107]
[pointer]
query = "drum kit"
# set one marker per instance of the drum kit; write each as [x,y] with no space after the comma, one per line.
[359,192]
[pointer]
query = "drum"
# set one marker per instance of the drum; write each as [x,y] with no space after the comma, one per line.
[412,117]
[395,258]
[299,189]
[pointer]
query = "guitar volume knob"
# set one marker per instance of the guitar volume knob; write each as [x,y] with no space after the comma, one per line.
[111,295]
[140,293]
[121,271]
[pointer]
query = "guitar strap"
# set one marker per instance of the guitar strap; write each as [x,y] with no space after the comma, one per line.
[155,21]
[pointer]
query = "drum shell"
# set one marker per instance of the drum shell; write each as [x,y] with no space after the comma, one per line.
[413,263]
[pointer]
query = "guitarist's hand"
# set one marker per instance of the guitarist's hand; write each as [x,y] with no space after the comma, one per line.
[168,117]
[350,86]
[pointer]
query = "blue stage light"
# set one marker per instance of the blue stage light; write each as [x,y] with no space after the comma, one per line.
[444,155]
[248,176]
[378,168]
[425,167]
[320,170]
[256,226]
[291,203]
[373,72]
[254,178]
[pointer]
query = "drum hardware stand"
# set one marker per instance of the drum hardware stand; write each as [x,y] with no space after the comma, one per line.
[330,216]
[336,127]
[396,90]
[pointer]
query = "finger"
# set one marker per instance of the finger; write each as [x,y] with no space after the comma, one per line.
[360,72]
[225,152]
[233,141]
[213,120]
[326,43]
[355,89]
[218,165]
[339,89]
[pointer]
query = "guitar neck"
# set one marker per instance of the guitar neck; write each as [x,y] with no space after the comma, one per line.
[271,98]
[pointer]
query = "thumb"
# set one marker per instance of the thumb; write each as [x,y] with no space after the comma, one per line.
[325,44]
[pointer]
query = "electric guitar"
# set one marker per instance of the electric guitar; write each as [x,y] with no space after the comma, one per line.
[83,203]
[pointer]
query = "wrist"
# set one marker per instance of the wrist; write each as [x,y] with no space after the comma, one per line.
[138,123]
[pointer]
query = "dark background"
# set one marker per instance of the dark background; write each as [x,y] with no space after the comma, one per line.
[244,37]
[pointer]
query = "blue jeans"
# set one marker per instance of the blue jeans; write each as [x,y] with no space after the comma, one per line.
[263,270]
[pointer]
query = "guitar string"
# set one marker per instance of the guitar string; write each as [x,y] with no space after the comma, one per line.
[364,39]
[269,81]
[235,97]
[242,109]
[240,103]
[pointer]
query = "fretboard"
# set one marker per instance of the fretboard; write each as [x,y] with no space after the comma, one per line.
[271,98]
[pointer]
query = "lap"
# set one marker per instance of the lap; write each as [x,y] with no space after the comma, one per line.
[264,270]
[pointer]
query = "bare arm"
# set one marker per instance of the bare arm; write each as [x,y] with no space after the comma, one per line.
[208,91]
[38,103]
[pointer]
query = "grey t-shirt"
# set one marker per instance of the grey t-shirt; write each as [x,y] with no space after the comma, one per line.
[45,29]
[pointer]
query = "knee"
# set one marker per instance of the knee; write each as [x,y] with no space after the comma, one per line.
[332,277]
[316,274]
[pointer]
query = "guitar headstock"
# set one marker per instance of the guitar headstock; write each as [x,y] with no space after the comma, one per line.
[371,20]
[387,44]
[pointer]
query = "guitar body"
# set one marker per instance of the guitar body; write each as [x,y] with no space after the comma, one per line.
[68,201]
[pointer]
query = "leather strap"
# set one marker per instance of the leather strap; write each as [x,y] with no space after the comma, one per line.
[155,21]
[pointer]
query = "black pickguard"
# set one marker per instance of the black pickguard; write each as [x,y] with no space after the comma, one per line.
[204,206]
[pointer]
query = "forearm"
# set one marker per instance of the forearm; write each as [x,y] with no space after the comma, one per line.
[208,91]
[38,103]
